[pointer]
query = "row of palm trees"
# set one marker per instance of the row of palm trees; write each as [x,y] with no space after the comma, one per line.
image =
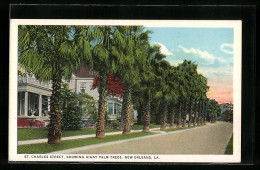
[172,89]
[52,53]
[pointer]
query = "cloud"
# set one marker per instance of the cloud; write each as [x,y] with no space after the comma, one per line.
[164,49]
[199,53]
[227,48]
[221,60]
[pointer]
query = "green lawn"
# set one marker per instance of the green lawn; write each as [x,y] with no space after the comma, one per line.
[46,148]
[40,133]
[229,148]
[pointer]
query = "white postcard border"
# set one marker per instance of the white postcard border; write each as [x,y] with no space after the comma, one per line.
[236,24]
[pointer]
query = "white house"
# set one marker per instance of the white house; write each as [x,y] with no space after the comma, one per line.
[34,98]
[33,101]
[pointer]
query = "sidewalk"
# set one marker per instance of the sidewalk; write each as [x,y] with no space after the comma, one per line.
[45,140]
[137,141]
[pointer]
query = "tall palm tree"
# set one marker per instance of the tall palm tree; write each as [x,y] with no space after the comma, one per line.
[52,53]
[102,64]
[186,72]
[163,70]
[129,49]
[195,112]
[202,89]
[148,81]
[179,113]
[173,94]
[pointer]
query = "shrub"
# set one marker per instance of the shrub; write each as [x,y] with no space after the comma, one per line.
[116,124]
[73,107]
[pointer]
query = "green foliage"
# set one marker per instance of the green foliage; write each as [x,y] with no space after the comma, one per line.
[74,106]
[213,109]
[116,124]
[228,116]
[229,148]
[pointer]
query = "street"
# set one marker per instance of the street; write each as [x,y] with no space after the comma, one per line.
[211,139]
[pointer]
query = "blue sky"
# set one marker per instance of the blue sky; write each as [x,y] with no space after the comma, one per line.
[210,48]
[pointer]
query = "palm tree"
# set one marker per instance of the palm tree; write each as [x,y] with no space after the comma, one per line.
[101,62]
[129,48]
[172,107]
[163,70]
[52,53]
[173,94]
[179,113]
[199,111]
[202,89]
[195,112]
[148,83]
[186,72]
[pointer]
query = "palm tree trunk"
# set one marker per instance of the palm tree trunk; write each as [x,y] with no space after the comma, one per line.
[190,113]
[157,114]
[127,110]
[140,116]
[179,116]
[172,118]
[184,113]
[206,110]
[202,113]
[195,113]
[163,116]
[199,112]
[101,106]
[54,134]
[146,115]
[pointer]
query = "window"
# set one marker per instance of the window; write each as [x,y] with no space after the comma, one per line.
[82,87]
[110,108]
[36,101]
[115,108]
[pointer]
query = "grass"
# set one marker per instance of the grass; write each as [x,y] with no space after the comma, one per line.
[40,133]
[46,148]
[229,148]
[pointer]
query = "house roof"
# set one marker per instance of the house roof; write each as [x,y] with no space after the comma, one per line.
[84,72]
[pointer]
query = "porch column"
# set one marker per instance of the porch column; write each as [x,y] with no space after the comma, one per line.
[40,105]
[20,104]
[49,104]
[113,105]
[26,103]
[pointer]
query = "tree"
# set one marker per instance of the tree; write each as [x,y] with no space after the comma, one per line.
[201,90]
[114,86]
[103,63]
[183,83]
[74,106]
[163,69]
[148,83]
[213,110]
[52,53]
[129,50]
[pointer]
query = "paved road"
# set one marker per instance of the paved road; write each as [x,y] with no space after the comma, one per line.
[210,139]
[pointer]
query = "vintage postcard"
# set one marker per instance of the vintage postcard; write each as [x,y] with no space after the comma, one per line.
[125,91]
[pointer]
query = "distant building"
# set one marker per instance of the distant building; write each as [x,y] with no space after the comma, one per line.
[225,106]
